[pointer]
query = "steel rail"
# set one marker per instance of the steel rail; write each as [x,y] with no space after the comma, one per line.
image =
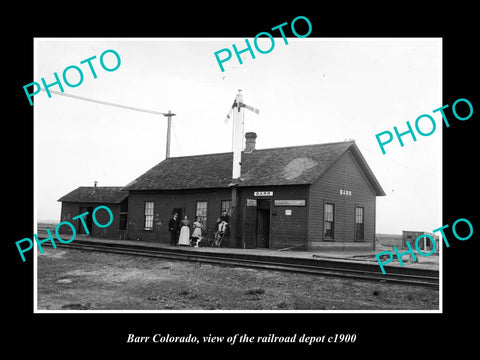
[346,270]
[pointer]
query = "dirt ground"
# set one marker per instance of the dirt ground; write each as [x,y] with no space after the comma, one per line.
[81,280]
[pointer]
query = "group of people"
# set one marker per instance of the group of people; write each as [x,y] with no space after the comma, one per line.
[180,230]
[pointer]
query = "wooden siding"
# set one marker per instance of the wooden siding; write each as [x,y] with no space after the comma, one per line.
[285,230]
[344,174]
[164,203]
[73,209]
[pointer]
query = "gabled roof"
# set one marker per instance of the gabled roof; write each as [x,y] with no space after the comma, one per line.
[96,194]
[296,165]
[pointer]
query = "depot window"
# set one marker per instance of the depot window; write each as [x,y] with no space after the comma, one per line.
[149,215]
[359,223]
[225,205]
[329,221]
[201,212]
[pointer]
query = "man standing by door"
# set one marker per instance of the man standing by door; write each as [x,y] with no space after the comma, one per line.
[173,228]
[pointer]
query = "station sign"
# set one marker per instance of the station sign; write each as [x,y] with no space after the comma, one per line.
[263,193]
[289,202]
[251,202]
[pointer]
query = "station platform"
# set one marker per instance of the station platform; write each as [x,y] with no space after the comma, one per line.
[430,262]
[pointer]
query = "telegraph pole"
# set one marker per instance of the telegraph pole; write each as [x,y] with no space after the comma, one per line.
[169,114]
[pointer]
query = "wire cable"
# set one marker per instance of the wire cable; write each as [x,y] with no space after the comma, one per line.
[107,103]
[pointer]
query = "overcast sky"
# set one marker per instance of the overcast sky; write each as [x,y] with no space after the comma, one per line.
[311,91]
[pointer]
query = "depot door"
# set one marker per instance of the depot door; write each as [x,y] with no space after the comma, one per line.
[263,224]
[87,219]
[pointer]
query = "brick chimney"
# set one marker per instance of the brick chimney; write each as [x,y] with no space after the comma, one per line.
[250,141]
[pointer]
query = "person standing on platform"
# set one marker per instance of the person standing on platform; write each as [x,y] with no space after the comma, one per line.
[173,228]
[197,232]
[184,232]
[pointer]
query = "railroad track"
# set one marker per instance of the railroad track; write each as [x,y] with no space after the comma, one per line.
[322,267]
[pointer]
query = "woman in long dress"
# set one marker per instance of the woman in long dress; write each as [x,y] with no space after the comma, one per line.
[184,232]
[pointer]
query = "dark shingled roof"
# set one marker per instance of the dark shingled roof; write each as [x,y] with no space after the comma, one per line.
[266,167]
[96,194]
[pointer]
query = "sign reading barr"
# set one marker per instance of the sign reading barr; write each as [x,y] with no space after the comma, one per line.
[263,193]
[289,202]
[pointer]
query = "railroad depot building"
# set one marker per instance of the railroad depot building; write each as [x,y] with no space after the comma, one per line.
[86,199]
[310,197]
